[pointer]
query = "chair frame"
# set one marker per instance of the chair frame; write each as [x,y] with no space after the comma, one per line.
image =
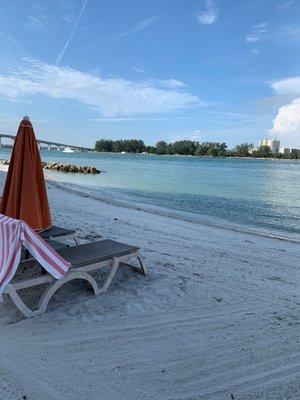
[71,236]
[65,238]
[82,272]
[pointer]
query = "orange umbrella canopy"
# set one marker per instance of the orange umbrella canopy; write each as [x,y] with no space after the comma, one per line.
[25,196]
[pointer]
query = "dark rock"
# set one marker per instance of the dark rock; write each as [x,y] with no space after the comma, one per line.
[218,299]
[54,166]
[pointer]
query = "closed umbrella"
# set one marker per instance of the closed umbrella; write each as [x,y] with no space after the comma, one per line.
[24,195]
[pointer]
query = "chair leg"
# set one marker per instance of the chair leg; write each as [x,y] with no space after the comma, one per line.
[52,288]
[142,263]
[114,265]
[16,299]
[141,269]
[76,240]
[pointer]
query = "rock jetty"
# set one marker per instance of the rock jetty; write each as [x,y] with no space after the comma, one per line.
[4,162]
[55,166]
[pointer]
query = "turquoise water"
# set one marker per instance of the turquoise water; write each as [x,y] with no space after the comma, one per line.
[261,194]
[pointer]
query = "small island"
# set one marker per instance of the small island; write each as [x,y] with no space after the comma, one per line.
[266,149]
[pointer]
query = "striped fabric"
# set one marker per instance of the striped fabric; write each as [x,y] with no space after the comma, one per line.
[15,233]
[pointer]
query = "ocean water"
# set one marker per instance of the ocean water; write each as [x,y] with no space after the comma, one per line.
[262,195]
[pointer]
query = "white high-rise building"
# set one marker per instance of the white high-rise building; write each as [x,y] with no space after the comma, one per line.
[263,142]
[272,143]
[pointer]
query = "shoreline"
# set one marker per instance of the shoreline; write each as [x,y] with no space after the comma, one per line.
[194,156]
[175,214]
[160,211]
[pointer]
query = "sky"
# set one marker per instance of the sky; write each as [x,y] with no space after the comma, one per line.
[206,70]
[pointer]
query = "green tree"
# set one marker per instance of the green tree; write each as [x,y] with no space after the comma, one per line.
[104,145]
[201,149]
[118,146]
[212,151]
[242,150]
[181,147]
[184,147]
[161,147]
[170,149]
[150,149]
[221,147]
[295,155]
[134,146]
[263,152]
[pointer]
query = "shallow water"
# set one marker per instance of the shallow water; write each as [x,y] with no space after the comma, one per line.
[261,194]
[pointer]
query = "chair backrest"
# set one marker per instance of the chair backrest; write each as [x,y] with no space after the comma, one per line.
[10,248]
[15,233]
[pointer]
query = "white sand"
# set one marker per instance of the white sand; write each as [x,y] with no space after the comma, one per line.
[216,318]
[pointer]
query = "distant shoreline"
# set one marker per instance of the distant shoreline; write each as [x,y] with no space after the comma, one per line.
[193,156]
[174,155]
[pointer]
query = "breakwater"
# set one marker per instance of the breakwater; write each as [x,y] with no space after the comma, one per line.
[56,166]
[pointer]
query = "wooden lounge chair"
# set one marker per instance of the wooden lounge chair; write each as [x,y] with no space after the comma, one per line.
[84,259]
[56,234]
[59,234]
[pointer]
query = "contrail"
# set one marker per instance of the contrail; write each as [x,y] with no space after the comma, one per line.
[13,40]
[62,53]
[139,27]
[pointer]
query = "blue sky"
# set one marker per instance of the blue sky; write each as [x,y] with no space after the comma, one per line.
[220,70]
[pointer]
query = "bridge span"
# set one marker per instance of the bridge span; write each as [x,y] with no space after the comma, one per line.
[50,145]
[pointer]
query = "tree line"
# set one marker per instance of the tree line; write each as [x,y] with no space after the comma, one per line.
[188,147]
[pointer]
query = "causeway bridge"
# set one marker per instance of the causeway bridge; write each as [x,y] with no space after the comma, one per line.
[48,145]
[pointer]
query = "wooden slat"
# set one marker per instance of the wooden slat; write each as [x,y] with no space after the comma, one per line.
[32,282]
[56,231]
[91,253]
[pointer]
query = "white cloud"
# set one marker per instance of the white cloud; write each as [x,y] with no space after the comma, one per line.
[169,84]
[139,27]
[279,33]
[284,5]
[113,97]
[208,16]
[14,42]
[286,125]
[196,135]
[37,23]
[69,18]
[255,51]
[138,119]
[138,70]
[257,32]
[287,86]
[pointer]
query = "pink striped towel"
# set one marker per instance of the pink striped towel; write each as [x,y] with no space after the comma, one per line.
[15,233]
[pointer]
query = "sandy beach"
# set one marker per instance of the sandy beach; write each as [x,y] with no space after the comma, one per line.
[217,317]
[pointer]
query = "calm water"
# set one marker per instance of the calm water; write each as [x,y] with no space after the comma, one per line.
[257,194]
